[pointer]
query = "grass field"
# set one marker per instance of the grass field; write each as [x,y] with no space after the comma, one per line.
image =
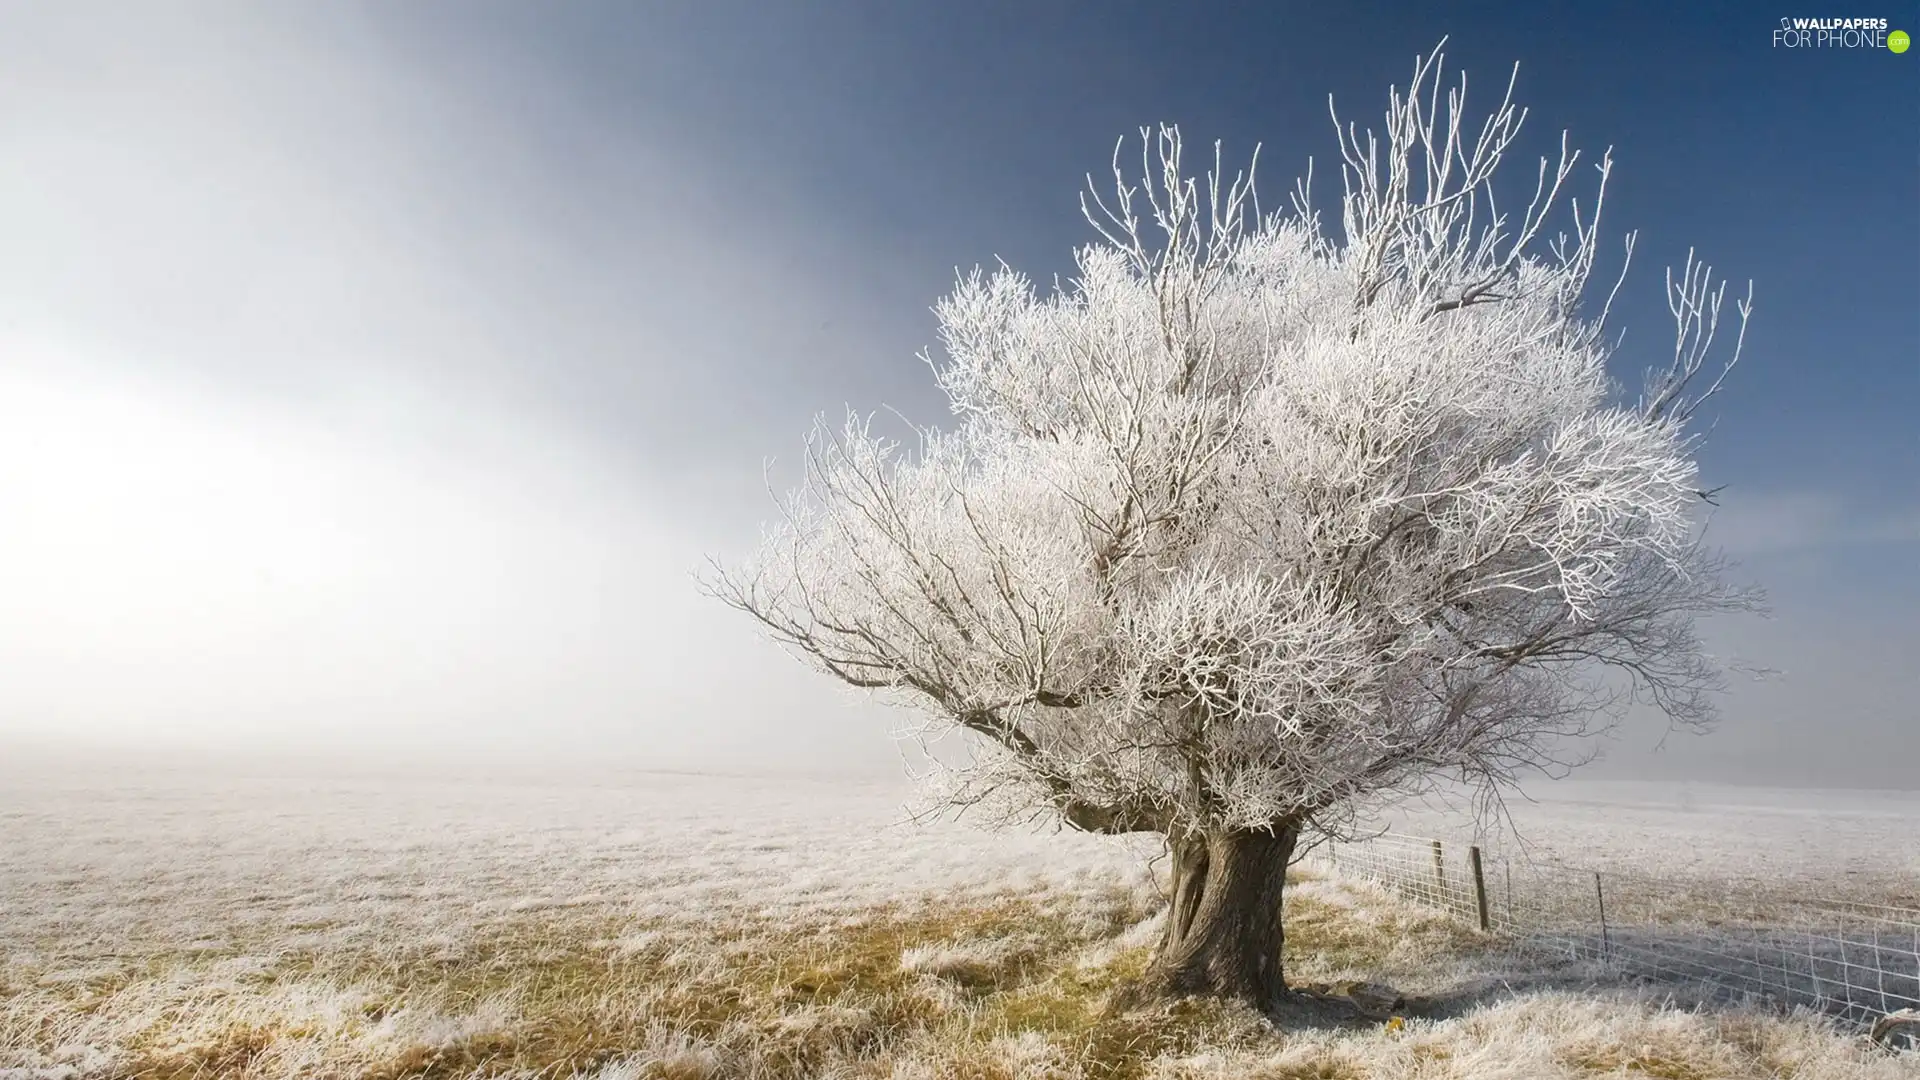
[179,925]
[1861,846]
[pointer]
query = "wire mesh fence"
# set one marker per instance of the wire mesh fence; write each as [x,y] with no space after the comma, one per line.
[1732,941]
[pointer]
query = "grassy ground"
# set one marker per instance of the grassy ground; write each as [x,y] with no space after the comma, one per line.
[985,991]
[692,929]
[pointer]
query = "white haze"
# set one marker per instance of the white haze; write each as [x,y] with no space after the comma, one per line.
[286,357]
[181,574]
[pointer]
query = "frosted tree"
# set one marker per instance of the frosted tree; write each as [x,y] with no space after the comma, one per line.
[1246,525]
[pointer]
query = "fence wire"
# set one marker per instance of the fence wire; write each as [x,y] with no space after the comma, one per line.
[1734,942]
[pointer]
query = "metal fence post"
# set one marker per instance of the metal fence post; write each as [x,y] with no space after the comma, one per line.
[1479,888]
[1606,946]
[1507,866]
[1439,872]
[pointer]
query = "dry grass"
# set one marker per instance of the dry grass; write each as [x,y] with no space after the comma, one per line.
[339,935]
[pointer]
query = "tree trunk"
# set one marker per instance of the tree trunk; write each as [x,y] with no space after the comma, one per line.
[1224,932]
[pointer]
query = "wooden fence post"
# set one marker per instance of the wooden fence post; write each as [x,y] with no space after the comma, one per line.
[1479,888]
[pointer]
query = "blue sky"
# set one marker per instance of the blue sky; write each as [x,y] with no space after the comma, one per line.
[499,308]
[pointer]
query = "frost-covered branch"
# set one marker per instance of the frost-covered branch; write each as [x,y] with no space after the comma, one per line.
[1421,214]
[1695,303]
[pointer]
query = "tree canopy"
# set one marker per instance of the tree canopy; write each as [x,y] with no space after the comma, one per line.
[1247,521]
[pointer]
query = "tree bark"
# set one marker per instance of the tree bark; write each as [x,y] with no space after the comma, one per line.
[1224,929]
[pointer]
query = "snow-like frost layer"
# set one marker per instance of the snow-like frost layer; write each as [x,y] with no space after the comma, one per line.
[121,862]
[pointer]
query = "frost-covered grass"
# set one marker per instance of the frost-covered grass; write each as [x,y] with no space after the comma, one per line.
[176,927]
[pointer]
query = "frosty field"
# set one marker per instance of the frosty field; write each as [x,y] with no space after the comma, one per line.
[1861,846]
[175,925]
